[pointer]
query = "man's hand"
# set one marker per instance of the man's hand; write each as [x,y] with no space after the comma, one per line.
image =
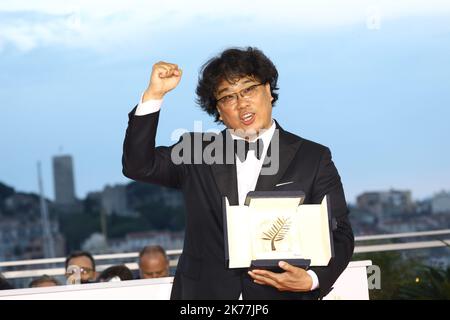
[293,279]
[165,77]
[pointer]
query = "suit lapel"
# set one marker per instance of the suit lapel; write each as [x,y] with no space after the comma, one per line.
[288,146]
[225,176]
[226,180]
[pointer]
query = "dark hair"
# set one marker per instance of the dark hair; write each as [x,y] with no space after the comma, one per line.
[149,250]
[120,271]
[45,278]
[77,254]
[231,64]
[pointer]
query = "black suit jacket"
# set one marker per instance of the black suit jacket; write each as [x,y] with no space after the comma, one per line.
[201,272]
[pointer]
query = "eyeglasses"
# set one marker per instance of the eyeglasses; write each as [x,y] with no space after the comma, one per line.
[230,100]
[83,270]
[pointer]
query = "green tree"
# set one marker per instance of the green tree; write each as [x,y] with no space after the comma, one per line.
[162,217]
[119,226]
[76,227]
[396,272]
[430,283]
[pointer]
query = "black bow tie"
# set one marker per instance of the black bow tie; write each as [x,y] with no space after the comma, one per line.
[241,148]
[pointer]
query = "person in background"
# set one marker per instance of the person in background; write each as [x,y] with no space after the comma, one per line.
[115,273]
[153,263]
[44,281]
[85,263]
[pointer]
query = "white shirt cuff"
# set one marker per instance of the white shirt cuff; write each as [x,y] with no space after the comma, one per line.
[315,280]
[147,107]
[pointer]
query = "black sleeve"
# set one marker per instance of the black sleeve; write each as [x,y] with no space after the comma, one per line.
[328,182]
[141,160]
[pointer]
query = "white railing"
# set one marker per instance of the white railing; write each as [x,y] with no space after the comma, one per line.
[403,246]
[173,254]
[97,258]
[403,235]
[57,271]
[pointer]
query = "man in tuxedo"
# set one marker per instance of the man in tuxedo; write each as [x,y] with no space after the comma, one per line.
[238,88]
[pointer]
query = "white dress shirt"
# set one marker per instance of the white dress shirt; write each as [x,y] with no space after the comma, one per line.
[247,171]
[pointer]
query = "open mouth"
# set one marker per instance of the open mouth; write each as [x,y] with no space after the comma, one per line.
[247,118]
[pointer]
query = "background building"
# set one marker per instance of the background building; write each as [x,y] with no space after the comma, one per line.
[440,203]
[63,178]
[386,203]
[114,200]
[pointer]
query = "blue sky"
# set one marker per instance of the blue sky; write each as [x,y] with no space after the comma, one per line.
[369,79]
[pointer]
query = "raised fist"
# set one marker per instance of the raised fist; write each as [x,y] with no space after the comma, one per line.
[165,77]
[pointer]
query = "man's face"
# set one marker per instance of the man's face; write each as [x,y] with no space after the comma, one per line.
[87,269]
[153,266]
[251,111]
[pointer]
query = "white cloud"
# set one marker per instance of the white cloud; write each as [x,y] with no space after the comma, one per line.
[98,24]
